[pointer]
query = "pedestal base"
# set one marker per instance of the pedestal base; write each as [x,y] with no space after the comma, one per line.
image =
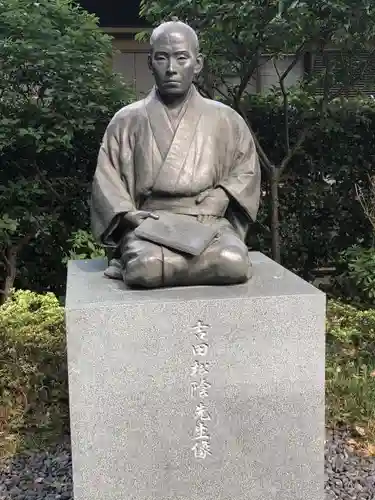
[199,393]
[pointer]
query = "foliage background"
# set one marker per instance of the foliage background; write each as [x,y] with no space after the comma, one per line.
[320,215]
[57,95]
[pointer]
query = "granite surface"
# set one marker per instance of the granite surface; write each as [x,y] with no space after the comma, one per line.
[88,287]
[164,407]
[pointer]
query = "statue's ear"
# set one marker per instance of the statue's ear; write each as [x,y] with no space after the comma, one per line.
[149,62]
[199,64]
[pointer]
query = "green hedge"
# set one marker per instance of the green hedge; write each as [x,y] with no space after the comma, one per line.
[34,384]
[33,370]
[355,280]
[350,370]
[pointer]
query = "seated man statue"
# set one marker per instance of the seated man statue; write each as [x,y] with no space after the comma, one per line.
[176,152]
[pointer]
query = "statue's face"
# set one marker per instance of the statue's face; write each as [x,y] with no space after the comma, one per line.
[174,63]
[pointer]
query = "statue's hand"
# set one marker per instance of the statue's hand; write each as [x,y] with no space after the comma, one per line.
[134,219]
[215,199]
[202,196]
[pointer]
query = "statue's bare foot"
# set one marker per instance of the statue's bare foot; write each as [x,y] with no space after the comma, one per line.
[114,270]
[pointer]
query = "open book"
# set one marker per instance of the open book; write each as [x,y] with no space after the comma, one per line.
[177,232]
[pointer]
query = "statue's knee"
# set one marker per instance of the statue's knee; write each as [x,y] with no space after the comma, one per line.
[144,271]
[234,264]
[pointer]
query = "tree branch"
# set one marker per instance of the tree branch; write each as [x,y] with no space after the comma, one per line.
[294,149]
[23,241]
[48,184]
[254,64]
[203,90]
[284,92]
[217,89]
[267,164]
[285,106]
[225,83]
[368,207]
[325,82]
[5,258]
[301,49]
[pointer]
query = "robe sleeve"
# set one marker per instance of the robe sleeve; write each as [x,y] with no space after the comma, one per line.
[110,196]
[242,182]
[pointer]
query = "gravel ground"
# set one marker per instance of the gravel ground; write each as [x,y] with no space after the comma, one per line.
[348,476]
[48,475]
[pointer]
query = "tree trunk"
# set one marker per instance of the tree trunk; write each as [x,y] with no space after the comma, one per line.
[10,258]
[11,272]
[275,223]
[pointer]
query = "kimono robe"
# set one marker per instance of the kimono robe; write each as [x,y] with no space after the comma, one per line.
[148,162]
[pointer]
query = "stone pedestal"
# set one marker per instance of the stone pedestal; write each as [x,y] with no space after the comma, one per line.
[200,393]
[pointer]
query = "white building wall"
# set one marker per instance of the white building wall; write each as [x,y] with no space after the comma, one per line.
[130,59]
[269,77]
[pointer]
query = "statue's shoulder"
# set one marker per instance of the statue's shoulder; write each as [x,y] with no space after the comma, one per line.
[224,111]
[216,104]
[134,109]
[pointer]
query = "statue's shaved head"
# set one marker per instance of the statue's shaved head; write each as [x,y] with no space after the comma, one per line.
[174,59]
[175,26]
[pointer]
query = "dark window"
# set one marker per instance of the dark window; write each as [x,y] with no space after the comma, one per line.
[362,69]
[114,13]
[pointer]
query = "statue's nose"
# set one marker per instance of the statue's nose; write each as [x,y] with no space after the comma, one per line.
[171,70]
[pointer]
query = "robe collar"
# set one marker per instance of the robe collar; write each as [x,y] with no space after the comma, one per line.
[165,133]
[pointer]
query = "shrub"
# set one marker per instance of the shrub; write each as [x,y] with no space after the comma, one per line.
[356,279]
[83,246]
[367,201]
[350,369]
[33,369]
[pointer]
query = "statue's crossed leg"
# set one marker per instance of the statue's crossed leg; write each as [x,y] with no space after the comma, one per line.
[148,265]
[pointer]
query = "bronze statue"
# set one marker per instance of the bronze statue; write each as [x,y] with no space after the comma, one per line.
[176,153]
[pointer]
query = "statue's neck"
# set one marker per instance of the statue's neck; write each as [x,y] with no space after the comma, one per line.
[174,103]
